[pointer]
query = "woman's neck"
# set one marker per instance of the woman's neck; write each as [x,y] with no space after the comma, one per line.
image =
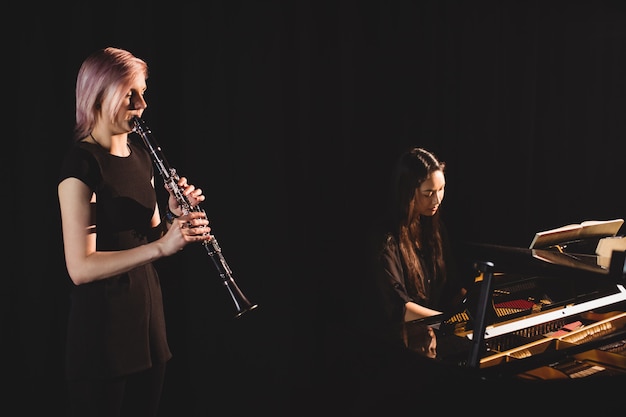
[114,147]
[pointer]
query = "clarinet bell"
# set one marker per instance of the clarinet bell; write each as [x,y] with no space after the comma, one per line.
[242,305]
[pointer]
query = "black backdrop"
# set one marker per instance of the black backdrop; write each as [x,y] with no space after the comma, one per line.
[289,115]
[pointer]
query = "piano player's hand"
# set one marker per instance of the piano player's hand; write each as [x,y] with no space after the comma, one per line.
[423,341]
[430,350]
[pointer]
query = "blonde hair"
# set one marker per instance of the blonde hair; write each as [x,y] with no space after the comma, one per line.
[103,80]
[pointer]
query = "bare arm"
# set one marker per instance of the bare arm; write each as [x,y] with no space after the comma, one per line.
[415,311]
[85,264]
[426,343]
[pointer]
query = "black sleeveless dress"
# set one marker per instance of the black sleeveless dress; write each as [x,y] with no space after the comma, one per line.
[116,326]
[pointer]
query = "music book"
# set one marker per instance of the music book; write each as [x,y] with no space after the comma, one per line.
[574,232]
[606,247]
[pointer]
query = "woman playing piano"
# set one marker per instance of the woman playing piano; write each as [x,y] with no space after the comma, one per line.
[414,268]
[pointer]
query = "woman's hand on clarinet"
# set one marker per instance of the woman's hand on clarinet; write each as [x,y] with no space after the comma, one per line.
[188,228]
[192,227]
[193,194]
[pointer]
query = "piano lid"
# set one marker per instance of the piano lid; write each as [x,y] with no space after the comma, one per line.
[508,258]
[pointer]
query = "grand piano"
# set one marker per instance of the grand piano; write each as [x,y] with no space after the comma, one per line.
[555,313]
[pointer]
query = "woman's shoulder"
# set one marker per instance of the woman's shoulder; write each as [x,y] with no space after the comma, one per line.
[79,161]
[78,153]
[80,148]
[387,243]
[389,239]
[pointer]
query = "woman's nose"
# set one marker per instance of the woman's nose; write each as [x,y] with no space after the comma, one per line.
[139,103]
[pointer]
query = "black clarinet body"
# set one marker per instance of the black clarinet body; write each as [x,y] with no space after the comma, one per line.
[170,178]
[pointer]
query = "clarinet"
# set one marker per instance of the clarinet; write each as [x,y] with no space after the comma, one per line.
[170,178]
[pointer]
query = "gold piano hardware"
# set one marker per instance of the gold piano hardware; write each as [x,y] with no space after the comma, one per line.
[549,315]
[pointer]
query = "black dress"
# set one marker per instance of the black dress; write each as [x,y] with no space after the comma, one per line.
[394,292]
[116,325]
[389,293]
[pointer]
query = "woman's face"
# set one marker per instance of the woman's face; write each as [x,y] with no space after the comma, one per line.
[133,104]
[429,195]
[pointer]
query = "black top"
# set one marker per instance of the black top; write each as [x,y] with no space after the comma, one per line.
[116,325]
[388,304]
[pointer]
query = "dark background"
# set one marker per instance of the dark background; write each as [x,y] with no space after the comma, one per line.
[289,115]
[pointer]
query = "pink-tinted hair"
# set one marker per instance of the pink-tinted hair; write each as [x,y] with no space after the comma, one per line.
[103,80]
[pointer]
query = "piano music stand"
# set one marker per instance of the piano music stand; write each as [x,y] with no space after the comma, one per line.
[478,335]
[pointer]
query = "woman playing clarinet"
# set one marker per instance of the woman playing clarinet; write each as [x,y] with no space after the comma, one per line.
[113,231]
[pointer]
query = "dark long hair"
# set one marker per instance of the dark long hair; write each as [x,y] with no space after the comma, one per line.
[419,237]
